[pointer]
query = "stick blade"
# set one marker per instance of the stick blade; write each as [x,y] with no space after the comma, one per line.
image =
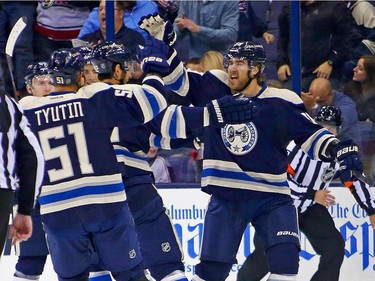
[14,34]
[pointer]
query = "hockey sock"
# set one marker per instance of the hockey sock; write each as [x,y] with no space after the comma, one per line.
[100,276]
[279,277]
[176,275]
[26,278]
[19,276]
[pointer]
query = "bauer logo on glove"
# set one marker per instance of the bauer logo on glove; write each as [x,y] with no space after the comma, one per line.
[348,149]
[229,110]
[153,56]
[347,156]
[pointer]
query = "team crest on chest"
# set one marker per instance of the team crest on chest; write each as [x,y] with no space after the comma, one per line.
[239,139]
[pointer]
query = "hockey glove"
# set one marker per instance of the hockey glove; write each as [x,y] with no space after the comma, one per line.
[348,158]
[159,28]
[153,56]
[229,110]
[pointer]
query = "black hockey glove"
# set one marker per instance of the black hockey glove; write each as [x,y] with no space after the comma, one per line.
[158,27]
[229,110]
[153,56]
[346,153]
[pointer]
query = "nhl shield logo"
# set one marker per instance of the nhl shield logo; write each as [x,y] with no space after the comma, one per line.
[239,139]
[132,254]
[328,174]
[165,247]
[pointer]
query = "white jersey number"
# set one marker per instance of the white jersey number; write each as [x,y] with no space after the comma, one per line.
[62,153]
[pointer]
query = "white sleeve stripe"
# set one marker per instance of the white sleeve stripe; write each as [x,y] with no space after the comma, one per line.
[141,94]
[165,124]
[181,124]
[206,117]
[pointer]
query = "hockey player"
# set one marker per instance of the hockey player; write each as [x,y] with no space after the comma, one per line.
[309,180]
[159,244]
[160,247]
[244,166]
[88,73]
[82,198]
[37,80]
[33,252]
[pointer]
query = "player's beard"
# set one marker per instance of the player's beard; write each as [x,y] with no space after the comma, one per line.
[250,79]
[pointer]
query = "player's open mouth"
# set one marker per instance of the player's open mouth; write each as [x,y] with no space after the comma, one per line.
[233,77]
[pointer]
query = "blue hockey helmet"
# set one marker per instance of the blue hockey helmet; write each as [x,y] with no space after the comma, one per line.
[329,115]
[86,53]
[35,69]
[252,52]
[109,53]
[64,65]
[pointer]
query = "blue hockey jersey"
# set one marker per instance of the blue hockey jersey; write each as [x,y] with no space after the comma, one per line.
[74,132]
[248,160]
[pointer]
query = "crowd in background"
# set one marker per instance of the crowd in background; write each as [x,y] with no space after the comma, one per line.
[337,43]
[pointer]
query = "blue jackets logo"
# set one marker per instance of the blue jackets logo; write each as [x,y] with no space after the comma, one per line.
[239,139]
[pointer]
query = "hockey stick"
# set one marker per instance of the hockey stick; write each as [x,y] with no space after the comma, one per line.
[18,27]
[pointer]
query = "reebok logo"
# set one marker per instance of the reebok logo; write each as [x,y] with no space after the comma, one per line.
[217,111]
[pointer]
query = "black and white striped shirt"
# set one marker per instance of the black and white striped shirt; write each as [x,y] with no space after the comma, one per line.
[21,159]
[306,176]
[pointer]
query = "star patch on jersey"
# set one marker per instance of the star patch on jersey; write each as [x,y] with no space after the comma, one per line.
[239,139]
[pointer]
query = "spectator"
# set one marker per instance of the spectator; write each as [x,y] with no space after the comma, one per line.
[10,12]
[212,60]
[161,169]
[364,81]
[22,162]
[208,26]
[194,64]
[168,8]
[320,94]
[273,83]
[57,23]
[364,14]
[328,34]
[251,25]
[362,90]
[134,11]
[123,35]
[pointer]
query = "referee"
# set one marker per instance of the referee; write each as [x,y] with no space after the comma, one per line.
[21,163]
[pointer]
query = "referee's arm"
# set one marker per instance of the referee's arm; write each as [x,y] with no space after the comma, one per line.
[29,164]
